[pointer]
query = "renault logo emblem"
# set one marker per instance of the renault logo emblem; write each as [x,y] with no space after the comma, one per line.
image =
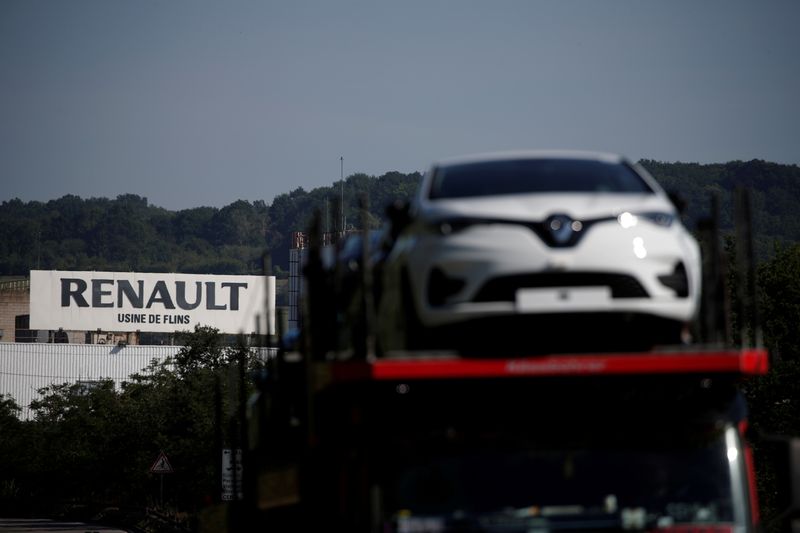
[562,228]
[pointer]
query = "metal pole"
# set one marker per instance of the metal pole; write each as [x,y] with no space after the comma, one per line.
[341,161]
[749,323]
[218,437]
[367,342]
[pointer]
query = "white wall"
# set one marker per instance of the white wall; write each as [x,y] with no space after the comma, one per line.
[27,367]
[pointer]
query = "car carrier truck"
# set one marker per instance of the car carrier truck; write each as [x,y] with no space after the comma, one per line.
[435,442]
[629,441]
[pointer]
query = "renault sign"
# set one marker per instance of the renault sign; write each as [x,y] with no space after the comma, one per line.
[130,301]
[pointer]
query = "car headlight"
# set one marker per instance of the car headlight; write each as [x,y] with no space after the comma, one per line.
[629,220]
[658,218]
[450,225]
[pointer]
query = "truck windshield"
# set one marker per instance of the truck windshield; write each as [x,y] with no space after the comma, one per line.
[683,483]
[602,457]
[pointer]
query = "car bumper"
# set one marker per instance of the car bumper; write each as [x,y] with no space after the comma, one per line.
[598,275]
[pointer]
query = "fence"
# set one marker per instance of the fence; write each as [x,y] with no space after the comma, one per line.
[27,367]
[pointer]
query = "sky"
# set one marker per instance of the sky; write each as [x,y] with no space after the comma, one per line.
[192,103]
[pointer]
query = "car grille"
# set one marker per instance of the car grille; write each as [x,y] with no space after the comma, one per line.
[505,288]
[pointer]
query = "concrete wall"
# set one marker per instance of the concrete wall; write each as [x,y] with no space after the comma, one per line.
[14,300]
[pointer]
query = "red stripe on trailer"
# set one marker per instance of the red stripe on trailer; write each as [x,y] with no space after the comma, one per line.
[747,362]
[755,362]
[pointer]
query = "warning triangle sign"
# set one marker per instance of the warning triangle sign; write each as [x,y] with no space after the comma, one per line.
[161,466]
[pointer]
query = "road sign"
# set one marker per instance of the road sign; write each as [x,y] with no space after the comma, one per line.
[161,466]
[232,473]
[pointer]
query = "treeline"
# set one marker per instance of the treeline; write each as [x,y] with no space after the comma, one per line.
[775,195]
[129,234]
[293,211]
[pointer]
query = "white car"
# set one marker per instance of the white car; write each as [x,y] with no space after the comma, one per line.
[549,245]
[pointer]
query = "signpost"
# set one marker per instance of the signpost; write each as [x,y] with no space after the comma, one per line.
[161,466]
[231,475]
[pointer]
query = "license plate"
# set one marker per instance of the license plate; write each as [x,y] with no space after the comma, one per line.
[529,300]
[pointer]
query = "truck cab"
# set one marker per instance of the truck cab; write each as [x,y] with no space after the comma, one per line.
[633,441]
[500,437]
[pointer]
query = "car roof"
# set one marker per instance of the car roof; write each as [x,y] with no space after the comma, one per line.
[531,154]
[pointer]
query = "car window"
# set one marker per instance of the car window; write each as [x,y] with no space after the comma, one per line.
[488,178]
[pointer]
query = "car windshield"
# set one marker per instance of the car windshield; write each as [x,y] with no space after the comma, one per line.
[520,176]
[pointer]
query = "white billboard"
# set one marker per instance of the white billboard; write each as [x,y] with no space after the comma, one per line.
[131,301]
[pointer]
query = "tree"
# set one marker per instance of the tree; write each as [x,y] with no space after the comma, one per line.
[774,399]
[779,280]
[11,444]
[92,443]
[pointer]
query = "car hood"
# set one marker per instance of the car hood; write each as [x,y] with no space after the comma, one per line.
[534,207]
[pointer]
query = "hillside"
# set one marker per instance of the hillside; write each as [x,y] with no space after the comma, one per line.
[128,233]
[775,193]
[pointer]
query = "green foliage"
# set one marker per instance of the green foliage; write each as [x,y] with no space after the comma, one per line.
[775,194]
[73,442]
[774,399]
[8,412]
[93,443]
[13,453]
[292,211]
[9,426]
[779,280]
[127,233]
